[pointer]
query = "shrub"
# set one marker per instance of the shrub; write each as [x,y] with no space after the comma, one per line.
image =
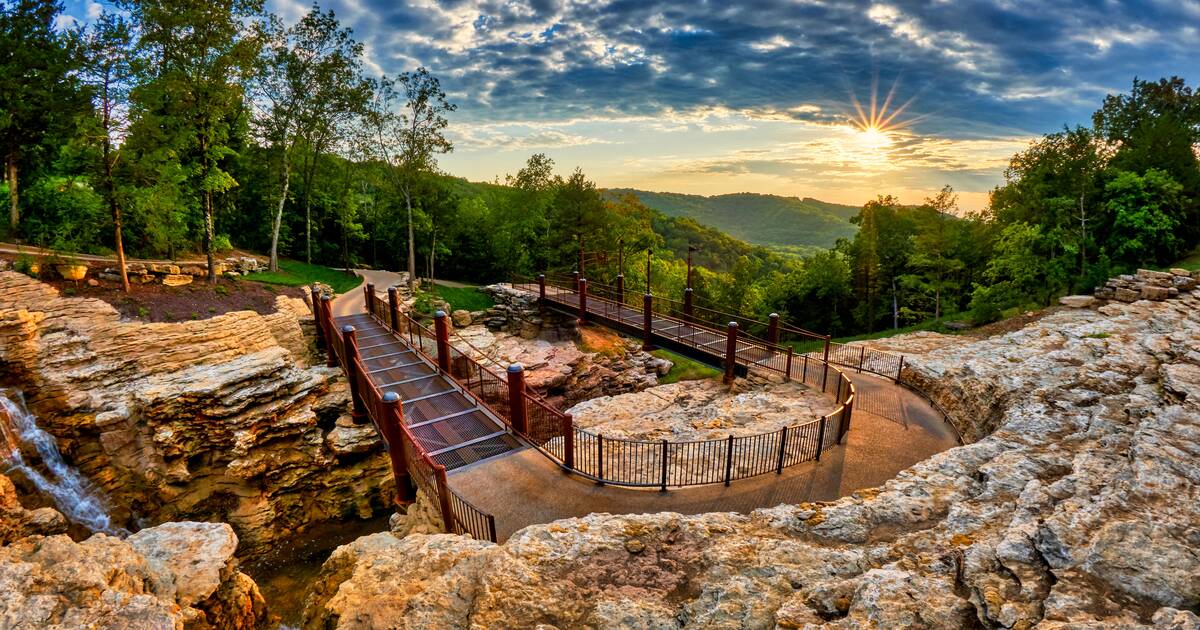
[221,243]
[25,265]
[65,214]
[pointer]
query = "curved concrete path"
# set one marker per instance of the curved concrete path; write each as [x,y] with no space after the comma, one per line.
[892,429]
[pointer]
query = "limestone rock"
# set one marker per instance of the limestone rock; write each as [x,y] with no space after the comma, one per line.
[221,417]
[176,280]
[188,560]
[348,439]
[1077,301]
[17,522]
[461,318]
[1074,506]
[164,269]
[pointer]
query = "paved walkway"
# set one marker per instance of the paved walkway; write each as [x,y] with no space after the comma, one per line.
[892,429]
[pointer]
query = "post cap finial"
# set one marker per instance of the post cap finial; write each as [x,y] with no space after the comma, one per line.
[325,297]
[348,328]
[439,313]
[391,397]
[733,324]
[774,315]
[515,367]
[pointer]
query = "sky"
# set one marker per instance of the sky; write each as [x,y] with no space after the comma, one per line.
[767,96]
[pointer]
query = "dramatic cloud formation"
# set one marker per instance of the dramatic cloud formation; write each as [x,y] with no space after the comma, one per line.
[757,94]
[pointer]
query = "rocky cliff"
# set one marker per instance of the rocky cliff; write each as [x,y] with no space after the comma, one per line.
[1077,505]
[175,575]
[222,418]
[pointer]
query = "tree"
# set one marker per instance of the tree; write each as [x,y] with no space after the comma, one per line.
[40,95]
[932,259]
[1146,210]
[106,69]
[409,140]
[309,81]
[195,57]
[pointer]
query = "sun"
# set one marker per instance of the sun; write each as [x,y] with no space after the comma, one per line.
[874,127]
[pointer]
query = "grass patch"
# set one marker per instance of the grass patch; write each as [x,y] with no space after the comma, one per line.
[464,298]
[1099,335]
[684,369]
[295,274]
[802,347]
[1191,262]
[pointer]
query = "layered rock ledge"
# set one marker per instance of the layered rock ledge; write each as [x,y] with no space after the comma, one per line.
[1075,505]
[224,418]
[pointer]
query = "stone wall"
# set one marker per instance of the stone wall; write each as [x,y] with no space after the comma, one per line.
[214,419]
[517,313]
[1149,285]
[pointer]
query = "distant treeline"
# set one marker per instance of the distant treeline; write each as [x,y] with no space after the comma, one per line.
[184,126]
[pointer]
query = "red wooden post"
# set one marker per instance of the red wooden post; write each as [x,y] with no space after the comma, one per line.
[620,288]
[390,428]
[316,309]
[787,374]
[518,409]
[847,414]
[443,490]
[731,352]
[647,321]
[542,292]
[575,278]
[687,304]
[358,412]
[773,329]
[331,358]
[582,301]
[369,295]
[900,370]
[441,327]
[568,441]
[394,308]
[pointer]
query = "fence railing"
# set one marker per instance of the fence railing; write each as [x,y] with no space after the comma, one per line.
[458,515]
[763,338]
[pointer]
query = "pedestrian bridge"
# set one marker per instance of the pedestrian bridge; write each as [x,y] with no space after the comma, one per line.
[494,457]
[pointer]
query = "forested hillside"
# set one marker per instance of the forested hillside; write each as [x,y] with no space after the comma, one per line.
[787,223]
[181,126]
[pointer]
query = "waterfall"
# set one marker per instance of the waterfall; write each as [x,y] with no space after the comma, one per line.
[74,495]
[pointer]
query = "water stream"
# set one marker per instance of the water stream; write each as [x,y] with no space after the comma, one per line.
[73,494]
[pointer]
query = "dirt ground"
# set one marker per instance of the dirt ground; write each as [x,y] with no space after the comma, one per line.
[153,302]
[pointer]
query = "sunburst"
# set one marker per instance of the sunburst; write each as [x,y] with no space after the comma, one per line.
[874,128]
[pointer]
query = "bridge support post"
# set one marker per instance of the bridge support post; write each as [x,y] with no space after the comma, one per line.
[370,295]
[900,369]
[731,352]
[542,292]
[783,433]
[647,321]
[394,308]
[568,430]
[316,309]
[787,372]
[687,304]
[358,411]
[443,488]
[820,438]
[389,426]
[729,460]
[582,301]
[620,288]
[518,409]
[331,359]
[773,329]
[441,328]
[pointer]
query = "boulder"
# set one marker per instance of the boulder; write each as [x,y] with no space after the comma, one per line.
[188,560]
[1077,301]
[1181,272]
[1155,293]
[461,318]
[176,280]
[92,282]
[1126,295]
[348,438]
[164,269]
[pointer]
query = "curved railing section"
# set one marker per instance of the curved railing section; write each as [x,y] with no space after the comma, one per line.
[625,462]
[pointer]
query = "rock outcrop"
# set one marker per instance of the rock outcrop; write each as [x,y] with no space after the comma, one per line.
[175,575]
[216,419]
[1149,285]
[1075,506]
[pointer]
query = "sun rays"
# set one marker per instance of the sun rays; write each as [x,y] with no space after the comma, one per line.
[874,127]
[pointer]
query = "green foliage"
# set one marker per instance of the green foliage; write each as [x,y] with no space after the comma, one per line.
[767,220]
[221,243]
[294,274]
[64,214]
[1146,211]
[25,264]
[684,369]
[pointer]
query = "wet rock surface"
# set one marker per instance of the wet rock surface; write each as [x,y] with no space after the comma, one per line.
[1074,506]
[229,419]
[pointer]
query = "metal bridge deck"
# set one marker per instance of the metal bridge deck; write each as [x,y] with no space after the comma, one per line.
[446,422]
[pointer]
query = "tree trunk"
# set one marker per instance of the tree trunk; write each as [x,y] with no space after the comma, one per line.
[13,209]
[115,208]
[208,237]
[412,250]
[895,307]
[287,178]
